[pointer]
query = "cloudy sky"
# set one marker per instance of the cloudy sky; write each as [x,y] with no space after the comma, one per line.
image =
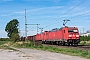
[48,13]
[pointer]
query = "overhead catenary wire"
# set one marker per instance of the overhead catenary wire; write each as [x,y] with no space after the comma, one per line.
[74,7]
[83,14]
[68,11]
[78,16]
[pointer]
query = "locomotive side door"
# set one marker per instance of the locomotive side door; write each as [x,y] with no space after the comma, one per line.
[63,38]
[44,36]
[63,35]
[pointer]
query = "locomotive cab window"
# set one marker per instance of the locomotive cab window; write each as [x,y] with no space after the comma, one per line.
[72,30]
[75,30]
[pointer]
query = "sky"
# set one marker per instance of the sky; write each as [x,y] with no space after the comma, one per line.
[48,13]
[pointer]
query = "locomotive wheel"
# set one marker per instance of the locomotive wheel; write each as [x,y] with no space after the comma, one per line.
[76,44]
[43,42]
[59,43]
[63,44]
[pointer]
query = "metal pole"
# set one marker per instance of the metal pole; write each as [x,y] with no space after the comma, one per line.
[83,35]
[41,29]
[25,25]
[37,28]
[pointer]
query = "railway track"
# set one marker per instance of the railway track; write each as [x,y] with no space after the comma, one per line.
[81,47]
[84,47]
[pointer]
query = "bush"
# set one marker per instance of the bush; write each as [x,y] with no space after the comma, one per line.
[24,44]
[85,38]
[15,37]
[5,39]
[83,43]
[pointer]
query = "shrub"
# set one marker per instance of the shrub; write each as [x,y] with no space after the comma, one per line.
[15,37]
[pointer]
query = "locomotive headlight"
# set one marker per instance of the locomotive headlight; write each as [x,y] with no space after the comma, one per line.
[70,35]
[77,35]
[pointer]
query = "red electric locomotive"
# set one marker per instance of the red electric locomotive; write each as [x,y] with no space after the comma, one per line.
[64,36]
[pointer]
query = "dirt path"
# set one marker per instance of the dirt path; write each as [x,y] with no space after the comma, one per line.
[45,55]
[14,55]
[32,54]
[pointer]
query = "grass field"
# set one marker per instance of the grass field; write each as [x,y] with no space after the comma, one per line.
[3,42]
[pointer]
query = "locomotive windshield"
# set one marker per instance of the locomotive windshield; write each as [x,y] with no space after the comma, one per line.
[75,30]
[72,30]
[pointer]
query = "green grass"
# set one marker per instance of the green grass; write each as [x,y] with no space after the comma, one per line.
[4,45]
[3,42]
[69,51]
[85,43]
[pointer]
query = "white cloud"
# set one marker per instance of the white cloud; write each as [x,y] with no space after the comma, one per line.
[6,15]
[3,34]
[56,1]
[19,12]
[47,12]
[79,14]
[40,9]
